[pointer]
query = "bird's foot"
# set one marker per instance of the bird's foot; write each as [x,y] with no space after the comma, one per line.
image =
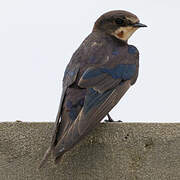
[110,119]
[107,120]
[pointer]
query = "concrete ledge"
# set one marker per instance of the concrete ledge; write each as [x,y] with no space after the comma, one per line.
[127,151]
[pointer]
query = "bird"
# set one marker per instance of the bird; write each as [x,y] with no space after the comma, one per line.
[99,73]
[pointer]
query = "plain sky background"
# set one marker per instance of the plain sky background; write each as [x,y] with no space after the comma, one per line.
[38,38]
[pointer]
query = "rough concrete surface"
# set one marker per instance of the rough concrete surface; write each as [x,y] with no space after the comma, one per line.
[122,151]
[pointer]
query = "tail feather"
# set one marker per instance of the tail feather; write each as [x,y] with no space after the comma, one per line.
[45,157]
[59,158]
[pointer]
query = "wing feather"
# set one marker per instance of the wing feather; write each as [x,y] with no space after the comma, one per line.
[90,115]
[104,78]
[70,76]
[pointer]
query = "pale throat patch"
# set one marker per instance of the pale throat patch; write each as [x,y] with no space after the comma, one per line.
[124,33]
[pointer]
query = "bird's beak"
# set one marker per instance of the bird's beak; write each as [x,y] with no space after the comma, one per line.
[138,25]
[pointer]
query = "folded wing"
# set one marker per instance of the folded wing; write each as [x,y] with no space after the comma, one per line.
[105,86]
[104,78]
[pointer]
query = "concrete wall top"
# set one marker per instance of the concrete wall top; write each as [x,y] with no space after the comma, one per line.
[127,151]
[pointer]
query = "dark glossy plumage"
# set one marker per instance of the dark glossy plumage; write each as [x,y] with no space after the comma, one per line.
[97,76]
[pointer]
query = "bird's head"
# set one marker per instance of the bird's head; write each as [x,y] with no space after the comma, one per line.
[121,24]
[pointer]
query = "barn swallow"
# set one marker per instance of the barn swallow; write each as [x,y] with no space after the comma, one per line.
[99,73]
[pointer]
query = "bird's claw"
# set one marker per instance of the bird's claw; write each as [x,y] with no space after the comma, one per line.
[110,119]
[106,120]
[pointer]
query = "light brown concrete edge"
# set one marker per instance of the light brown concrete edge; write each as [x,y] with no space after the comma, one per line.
[127,151]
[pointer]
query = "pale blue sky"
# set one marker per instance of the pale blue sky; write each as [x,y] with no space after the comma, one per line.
[38,38]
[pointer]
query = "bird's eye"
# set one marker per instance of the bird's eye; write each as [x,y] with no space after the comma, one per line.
[120,21]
